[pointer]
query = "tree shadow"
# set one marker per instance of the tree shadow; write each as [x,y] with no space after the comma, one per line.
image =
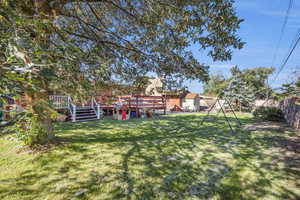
[170,158]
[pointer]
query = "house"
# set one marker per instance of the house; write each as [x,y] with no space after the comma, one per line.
[191,102]
[206,102]
[173,101]
[266,103]
[154,87]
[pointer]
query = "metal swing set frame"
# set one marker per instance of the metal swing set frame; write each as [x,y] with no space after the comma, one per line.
[223,111]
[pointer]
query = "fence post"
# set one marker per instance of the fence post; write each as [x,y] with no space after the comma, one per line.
[136,107]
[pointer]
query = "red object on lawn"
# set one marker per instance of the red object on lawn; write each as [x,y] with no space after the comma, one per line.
[124,110]
[123,115]
[177,108]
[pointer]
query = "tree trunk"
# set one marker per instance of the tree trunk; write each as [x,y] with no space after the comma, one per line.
[48,128]
[37,105]
[240,106]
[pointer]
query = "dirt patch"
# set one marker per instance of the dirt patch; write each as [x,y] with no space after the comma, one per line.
[286,142]
[268,126]
[39,149]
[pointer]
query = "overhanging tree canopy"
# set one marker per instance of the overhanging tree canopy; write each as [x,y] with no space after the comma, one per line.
[72,45]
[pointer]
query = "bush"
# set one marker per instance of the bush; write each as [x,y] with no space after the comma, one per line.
[269,113]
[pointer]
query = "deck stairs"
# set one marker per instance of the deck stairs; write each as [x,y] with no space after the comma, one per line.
[85,113]
[77,113]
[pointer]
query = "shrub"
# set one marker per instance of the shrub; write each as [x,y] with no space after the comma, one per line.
[269,113]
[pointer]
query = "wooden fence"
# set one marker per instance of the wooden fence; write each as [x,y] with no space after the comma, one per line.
[291,112]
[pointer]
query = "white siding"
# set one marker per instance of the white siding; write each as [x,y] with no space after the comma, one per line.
[191,104]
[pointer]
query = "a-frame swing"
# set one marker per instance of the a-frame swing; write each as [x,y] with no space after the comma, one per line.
[223,111]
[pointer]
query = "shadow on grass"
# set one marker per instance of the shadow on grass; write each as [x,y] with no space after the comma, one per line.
[170,158]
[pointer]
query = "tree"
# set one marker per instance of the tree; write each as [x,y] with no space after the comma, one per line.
[239,93]
[75,46]
[289,90]
[216,85]
[256,78]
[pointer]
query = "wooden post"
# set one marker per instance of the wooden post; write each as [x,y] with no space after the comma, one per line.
[165,104]
[136,107]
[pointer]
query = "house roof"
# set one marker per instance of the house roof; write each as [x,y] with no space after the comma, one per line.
[206,97]
[174,93]
[191,96]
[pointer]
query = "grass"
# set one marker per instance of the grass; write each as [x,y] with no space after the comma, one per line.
[170,158]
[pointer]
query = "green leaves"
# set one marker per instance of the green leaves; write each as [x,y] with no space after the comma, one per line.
[78,47]
[239,93]
[255,79]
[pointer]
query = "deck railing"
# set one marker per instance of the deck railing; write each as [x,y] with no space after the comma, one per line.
[96,107]
[60,101]
[72,109]
[66,102]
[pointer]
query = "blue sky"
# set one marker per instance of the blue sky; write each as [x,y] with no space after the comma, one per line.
[261,32]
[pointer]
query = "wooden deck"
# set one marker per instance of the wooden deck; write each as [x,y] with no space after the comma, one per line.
[138,103]
[134,103]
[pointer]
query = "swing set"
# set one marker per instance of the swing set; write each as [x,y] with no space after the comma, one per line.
[222,108]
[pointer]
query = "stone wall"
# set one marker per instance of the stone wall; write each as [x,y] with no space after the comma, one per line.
[291,112]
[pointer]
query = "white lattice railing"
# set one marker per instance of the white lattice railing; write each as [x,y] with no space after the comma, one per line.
[66,102]
[60,101]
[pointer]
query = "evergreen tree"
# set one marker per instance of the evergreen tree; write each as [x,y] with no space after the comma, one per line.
[239,94]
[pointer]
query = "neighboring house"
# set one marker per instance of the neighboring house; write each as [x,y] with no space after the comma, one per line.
[221,104]
[191,102]
[203,105]
[266,103]
[174,100]
[118,90]
[153,89]
[206,102]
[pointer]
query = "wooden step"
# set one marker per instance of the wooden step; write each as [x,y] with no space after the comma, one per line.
[84,108]
[84,111]
[86,117]
[85,114]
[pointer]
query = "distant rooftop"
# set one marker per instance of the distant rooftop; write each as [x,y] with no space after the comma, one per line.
[191,96]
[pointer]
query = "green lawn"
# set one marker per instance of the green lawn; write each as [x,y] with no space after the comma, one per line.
[170,158]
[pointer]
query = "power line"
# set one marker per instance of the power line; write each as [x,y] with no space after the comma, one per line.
[287,15]
[293,47]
